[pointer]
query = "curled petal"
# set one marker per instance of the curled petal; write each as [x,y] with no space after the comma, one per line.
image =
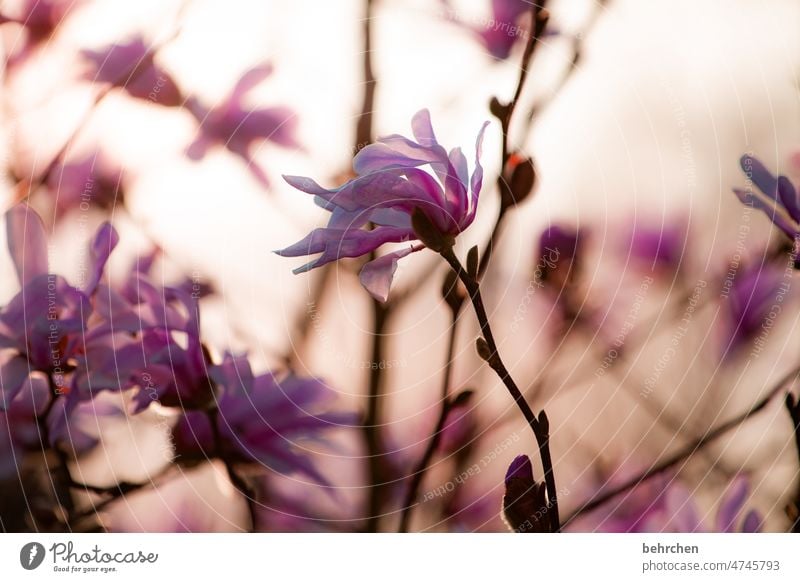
[376,276]
[250,80]
[476,182]
[27,243]
[104,242]
[376,190]
[770,208]
[760,176]
[336,244]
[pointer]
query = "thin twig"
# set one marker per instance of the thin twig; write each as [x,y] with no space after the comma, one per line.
[539,425]
[578,42]
[686,452]
[436,435]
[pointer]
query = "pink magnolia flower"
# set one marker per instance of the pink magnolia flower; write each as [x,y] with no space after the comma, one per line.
[237,127]
[42,328]
[389,188]
[132,67]
[258,420]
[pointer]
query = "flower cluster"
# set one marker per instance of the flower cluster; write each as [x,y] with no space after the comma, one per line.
[61,346]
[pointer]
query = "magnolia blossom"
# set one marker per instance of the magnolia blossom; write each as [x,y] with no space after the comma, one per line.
[558,255]
[132,67]
[657,247]
[500,31]
[146,336]
[376,207]
[234,125]
[42,328]
[259,419]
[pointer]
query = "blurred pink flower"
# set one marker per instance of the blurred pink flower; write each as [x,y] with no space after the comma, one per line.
[38,17]
[132,66]
[92,181]
[259,419]
[501,31]
[235,126]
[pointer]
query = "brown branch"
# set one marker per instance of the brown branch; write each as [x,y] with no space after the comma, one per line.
[686,452]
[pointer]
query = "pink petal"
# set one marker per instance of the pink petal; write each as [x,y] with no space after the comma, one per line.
[376,276]
[104,242]
[27,242]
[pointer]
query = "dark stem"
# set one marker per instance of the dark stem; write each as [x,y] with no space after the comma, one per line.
[61,477]
[380,312]
[538,425]
[493,237]
[114,492]
[539,17]
[371,427]
[686,452]
[364,124]
[303,322]
[578,42]
[436,435]
[237,480]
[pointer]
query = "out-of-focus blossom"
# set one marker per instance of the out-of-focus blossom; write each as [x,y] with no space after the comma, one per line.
[389,189]
[150,340]
[234,125]
[657,247]
[92,181]
[460,425]
[74,423]
[42,328]
[558,256]
[665,505]
[132,67]
[525,501]
[501,31]
[753,293]
[38,17]
[259,420]
[778,198]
